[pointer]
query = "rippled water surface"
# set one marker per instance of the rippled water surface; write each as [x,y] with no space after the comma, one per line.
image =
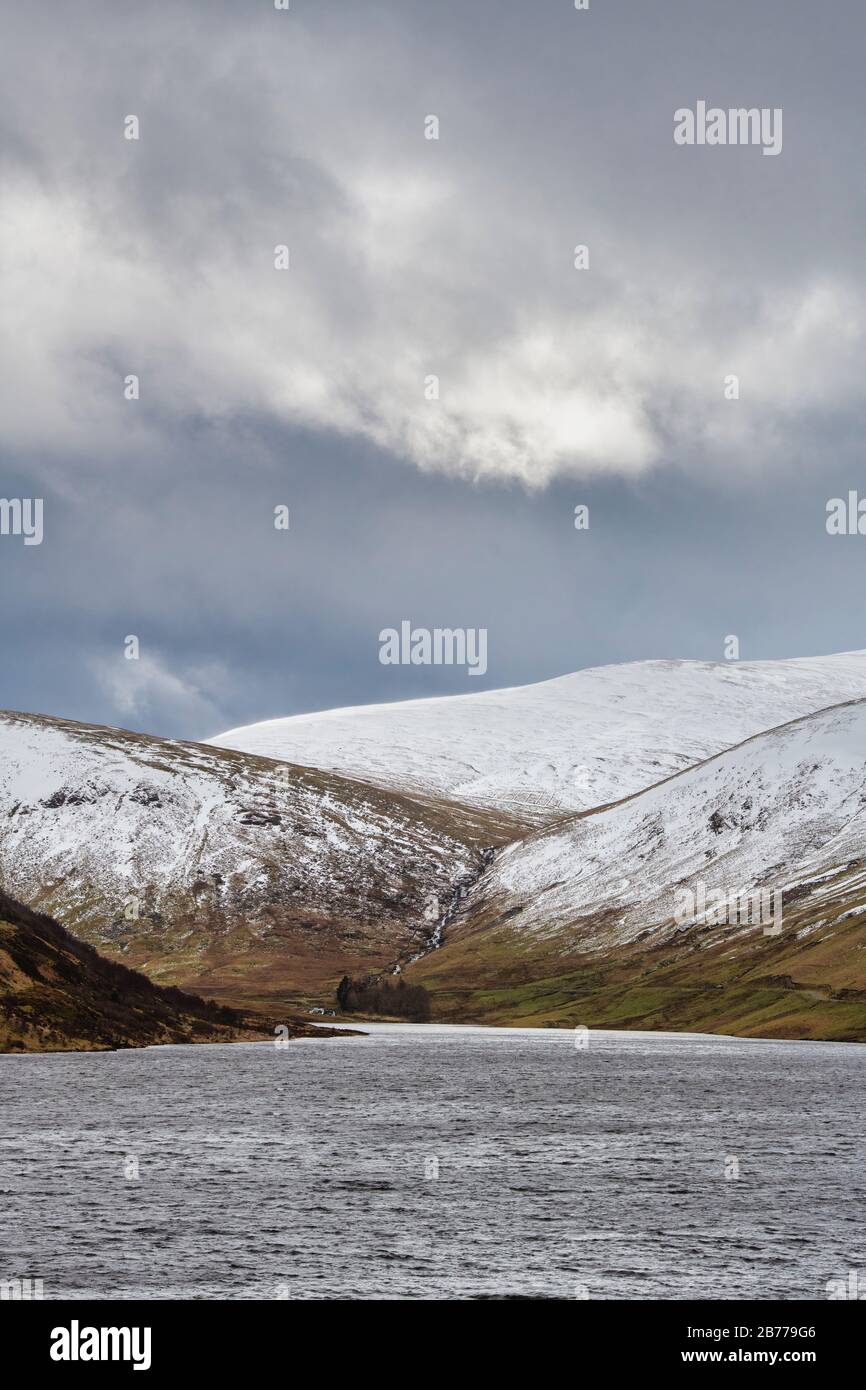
[309,1171]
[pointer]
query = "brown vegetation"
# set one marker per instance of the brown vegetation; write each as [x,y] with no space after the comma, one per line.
[58,994]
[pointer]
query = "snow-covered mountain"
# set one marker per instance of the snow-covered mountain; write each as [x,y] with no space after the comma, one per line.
[780,810]
[566,744]
[730,897]
[343,843]
[224,871]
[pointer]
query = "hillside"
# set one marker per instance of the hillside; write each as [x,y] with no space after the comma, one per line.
[231,874]
[262,882]
[59,995]
[583,921]
[567,744]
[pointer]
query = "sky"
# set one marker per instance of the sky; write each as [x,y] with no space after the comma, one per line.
[411,258]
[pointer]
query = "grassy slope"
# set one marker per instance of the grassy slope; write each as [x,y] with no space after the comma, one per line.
[809,986]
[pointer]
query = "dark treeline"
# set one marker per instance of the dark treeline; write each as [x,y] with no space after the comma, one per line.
[372,996]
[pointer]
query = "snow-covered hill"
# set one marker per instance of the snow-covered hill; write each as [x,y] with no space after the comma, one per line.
[220,870]
[785,810]
[342,842]
[566,744]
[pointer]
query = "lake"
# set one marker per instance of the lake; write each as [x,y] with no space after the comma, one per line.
[437,1162]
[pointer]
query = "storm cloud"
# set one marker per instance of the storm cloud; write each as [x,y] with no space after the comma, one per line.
[448,503]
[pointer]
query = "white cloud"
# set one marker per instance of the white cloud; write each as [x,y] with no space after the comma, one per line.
[409,258]
[146,690]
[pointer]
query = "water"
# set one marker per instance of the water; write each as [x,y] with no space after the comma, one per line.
[300,1172]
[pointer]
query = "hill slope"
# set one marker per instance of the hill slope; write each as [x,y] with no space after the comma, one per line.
[233,874]
[59,995]
[593,906]
[566,744]
[262,882]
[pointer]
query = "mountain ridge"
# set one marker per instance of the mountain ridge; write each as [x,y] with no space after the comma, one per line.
[566,744]
[219,870]
[263,881]
[595,896]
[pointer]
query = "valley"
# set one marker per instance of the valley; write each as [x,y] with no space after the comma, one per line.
[522,854]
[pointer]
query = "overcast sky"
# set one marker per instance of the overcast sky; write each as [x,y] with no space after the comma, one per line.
[412,257]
